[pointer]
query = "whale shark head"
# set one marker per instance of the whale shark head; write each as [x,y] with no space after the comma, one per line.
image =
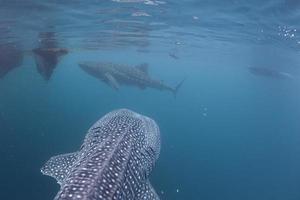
[86,66]
[90,68]
[97,69]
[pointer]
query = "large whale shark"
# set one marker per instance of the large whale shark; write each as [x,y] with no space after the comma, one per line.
[116,74]
[113,163]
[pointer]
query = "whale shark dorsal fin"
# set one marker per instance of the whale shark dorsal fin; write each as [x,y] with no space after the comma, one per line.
[112,81]
[143,67]
[59,166]
[148,192]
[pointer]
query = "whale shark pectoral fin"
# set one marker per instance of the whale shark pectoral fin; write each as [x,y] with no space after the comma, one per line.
[148,193]
[112,81]
[175,90]
[59,166]
[143,67]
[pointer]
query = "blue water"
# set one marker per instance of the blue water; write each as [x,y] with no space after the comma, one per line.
[230,134]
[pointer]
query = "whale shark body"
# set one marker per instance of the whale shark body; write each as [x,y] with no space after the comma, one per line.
[116,74]
[271,73]
[113,163]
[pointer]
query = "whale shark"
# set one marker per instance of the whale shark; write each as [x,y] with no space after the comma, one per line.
[10,58]
[271,73]
[117,74]
[48,54]
[46,60]
[114,162]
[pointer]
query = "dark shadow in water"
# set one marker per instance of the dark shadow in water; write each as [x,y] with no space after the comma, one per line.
[4,127]
[270,62]
[10,58]
[48,54]
[271,73]
[2,124]
[174,55]
[292,4]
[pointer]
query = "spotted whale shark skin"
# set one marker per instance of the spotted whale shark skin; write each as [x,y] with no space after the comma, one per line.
[113,163]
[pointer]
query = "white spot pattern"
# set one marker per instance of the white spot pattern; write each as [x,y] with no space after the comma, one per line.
[114,162]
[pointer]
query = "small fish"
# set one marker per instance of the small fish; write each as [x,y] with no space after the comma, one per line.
[117,74]
[113,163]
[173,55]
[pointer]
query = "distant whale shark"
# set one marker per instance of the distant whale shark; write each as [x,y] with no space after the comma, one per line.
[272,73]
[10,58]
[48,54]
[113,163]
[46,60]
[116,74]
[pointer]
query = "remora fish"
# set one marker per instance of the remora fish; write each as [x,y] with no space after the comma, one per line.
[114,162]
[116,74]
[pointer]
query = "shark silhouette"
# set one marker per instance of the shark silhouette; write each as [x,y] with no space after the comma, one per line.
[117,74]
[47,59]
[10,58]
[271,73]
[48,54]
[114,162]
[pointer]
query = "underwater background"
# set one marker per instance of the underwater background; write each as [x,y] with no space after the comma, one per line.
[231,133]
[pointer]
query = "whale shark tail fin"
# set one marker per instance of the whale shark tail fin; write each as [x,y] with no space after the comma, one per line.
[175,90]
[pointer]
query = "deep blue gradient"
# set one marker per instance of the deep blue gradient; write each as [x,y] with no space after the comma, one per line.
[230,134]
